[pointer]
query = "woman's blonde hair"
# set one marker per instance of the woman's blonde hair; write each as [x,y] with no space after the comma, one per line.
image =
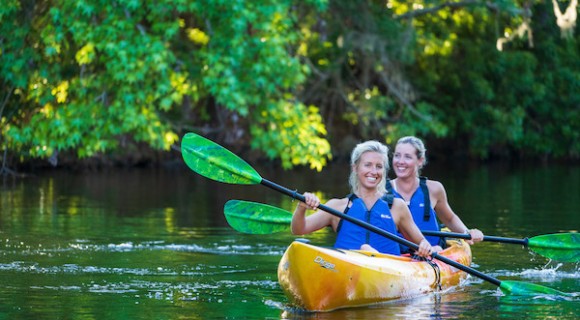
[357,152]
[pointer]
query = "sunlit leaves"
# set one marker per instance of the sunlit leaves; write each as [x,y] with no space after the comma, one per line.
[98,77]
[86,54]
[297,135]
[248,62]
[117,81]
[60,92]
[198,36]
[495,102]
[110,73]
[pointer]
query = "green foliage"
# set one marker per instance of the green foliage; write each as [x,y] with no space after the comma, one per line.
[524,98]
[288,78]
[294,136]
[95,73]
[358,53]
[96,76]
[552,121]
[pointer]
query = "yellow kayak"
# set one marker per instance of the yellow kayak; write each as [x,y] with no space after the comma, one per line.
[324,279]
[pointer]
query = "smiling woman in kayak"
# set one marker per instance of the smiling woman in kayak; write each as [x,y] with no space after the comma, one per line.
[369,166]
[426,199]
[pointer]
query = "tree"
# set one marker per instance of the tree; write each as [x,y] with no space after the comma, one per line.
[521,100]
[467,73]
[96,77]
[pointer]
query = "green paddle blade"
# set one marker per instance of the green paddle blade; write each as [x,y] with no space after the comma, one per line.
[559,246]
[529,289]
[256,218]
[215,162]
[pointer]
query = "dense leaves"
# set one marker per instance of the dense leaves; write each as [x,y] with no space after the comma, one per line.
[523,98]
[433,68]
[97,76]
[288,78]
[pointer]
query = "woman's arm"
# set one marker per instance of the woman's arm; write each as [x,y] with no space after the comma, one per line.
[302,224]
[446,214]
[408,228]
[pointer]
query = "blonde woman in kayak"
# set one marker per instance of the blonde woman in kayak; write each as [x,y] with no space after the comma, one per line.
[369,166]
[408,160]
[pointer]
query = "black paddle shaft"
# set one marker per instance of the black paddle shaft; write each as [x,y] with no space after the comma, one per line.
[523,242]
[294,194]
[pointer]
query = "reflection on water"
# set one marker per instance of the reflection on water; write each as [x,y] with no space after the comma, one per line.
[463,302]
[137,243]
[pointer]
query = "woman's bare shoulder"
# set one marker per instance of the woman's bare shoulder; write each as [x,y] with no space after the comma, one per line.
[399,206]
[337,203]
[435,186]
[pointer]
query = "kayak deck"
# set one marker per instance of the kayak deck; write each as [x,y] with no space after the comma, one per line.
[323,279]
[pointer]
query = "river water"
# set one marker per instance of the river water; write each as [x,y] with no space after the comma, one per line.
[154,244]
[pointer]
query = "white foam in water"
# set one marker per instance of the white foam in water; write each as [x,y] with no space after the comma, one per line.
[547,273]
[225,247]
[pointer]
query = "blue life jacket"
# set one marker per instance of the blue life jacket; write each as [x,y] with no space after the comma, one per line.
[351,236]
[420,206]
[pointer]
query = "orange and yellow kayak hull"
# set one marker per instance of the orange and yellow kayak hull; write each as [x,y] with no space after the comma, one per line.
[323,279]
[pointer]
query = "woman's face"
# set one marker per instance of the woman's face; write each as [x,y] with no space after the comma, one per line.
[405,161]
[369,169]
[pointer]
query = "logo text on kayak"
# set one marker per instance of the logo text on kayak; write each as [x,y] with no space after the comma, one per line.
[324,264]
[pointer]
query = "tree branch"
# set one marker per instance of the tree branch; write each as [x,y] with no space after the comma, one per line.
[5,102]
[453,5]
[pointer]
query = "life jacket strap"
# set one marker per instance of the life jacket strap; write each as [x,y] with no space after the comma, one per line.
[426,198]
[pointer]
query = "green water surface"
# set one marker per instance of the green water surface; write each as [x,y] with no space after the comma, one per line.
[154,244]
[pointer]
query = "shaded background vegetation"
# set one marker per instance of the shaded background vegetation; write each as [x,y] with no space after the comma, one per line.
[119,82]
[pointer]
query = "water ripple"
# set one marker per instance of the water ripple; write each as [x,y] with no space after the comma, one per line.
[199,270]
[218,248]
